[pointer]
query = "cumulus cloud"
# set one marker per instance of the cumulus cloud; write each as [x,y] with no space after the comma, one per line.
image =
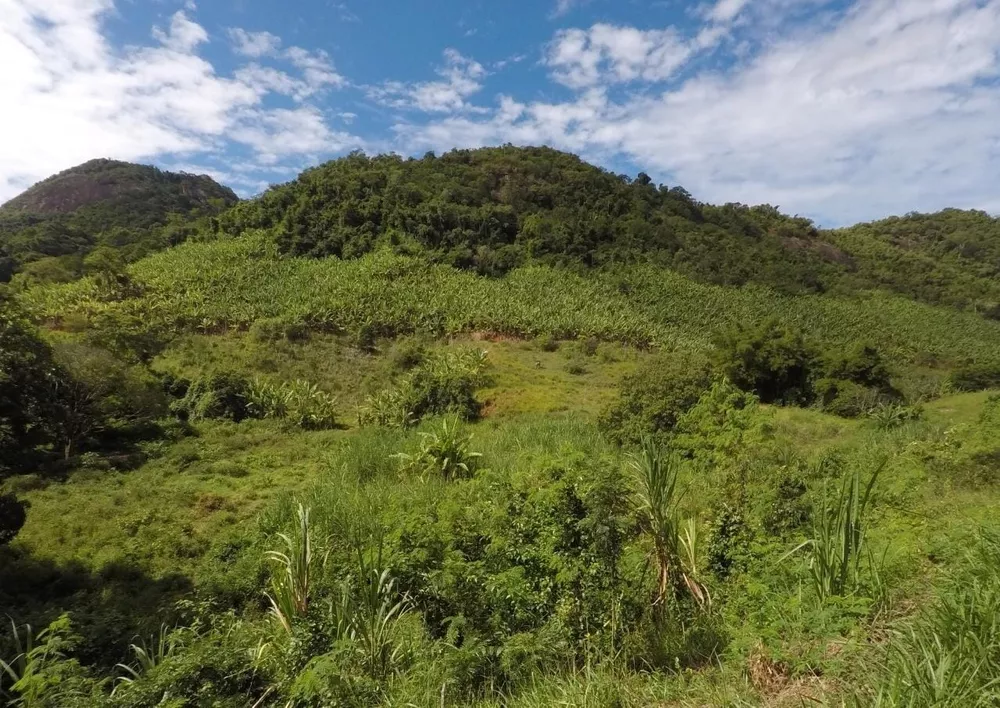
[607,54]
[74,97]
[461,77]
[726,10]
[890,108]
[254,44]
[316,67]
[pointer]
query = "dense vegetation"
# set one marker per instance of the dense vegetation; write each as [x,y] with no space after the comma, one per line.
[499,428]
[492,210]
[47,232]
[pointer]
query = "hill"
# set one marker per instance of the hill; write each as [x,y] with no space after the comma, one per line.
[494,209]
[135,209]
[500,428]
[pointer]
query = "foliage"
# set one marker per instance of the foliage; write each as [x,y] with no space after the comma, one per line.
[148,655]
[290,583]
[12,517]
[42,673]
[654,399]
[124,211]
[772,361]
[949,654]
[445,453]
[98,394]
[975,376]
[445,384]
[227,284]
[496,208]
[838,546]
[674,541]
[300,402]
[222,394]
[28,375]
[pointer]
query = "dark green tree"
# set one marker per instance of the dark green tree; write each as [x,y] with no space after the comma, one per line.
[28,376]
[772,360]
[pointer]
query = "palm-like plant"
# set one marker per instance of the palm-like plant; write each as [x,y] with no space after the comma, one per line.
[445,453]
[675,549]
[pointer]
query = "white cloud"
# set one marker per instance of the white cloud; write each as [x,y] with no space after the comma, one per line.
[254,44]
[461,78]
[890,108]
[183,35]
[564,6]
[317,68]
[74,97]
[607,54]
[280,133]
[726,10]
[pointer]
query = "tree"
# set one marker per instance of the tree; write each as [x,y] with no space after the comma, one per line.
[28,375]
[12,517]
[772,360]
[99,393]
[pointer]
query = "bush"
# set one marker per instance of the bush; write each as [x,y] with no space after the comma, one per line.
[773,361]
[846,398]
[275,329]
[102,395]
[408,354]
[443,385]
[976,376]
[12,517]
[653,399]
[444,453]
[547,343]
[304,404]
[223,394]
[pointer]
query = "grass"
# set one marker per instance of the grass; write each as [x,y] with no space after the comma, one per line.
[206,507]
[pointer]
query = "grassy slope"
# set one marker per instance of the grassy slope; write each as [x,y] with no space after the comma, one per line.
[231,283]
[178,513]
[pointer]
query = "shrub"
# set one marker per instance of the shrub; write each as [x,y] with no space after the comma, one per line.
[846,398]
[976,376]
[275,329]
[223,394]
[101,395]
[445,384]
[589,346]
[302,403]
[773,361]
[547,343]
[787,509]
[408,354]
[444,453]
[862,364]
[12,517]
[652,400]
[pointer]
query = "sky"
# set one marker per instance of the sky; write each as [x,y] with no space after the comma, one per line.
[837,110]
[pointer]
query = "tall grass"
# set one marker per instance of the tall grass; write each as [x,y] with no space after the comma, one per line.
[949,655]
[838,547]
[147,656]
[291,581]
[674,542]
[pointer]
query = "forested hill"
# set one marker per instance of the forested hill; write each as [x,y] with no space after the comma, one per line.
[135,209]
[496,208]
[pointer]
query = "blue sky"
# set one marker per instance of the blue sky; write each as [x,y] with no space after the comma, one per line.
[840,110]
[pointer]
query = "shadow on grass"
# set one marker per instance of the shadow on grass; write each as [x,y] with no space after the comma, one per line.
[108,607]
